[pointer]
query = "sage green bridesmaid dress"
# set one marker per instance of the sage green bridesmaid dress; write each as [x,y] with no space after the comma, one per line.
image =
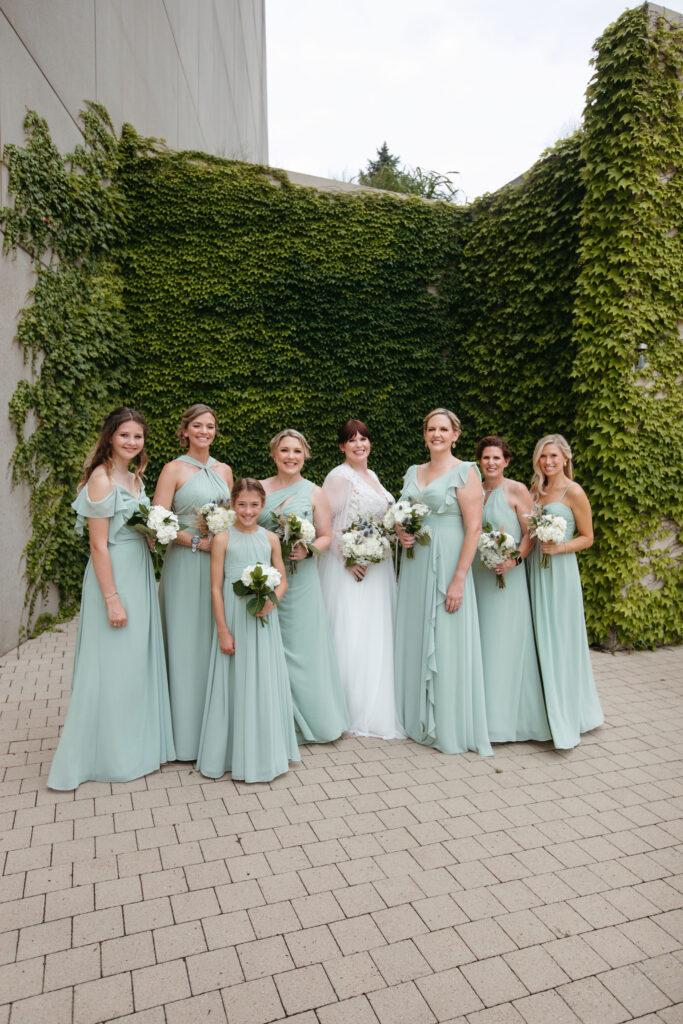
[439,674]
[515,709]
[118,726]
[320,713]
[185,601]
[561,641]
[248,724]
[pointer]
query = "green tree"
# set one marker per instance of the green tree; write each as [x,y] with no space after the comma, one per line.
[385,173]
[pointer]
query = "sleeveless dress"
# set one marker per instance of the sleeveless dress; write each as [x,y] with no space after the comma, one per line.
[320,713]
[248,724]
[118,726]
[515,708]
[561,640]
[439,674]
[361,615]
[185,602]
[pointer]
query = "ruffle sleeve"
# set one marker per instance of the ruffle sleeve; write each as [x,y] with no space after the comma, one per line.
[456,478]
[409,488]
[116,506]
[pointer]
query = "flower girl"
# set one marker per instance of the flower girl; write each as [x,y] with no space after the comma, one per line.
[248,726]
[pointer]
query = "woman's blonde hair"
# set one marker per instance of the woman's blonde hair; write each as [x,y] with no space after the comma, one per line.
[538,480]
[190,414]
[103,452]
[450,416]
[272,447]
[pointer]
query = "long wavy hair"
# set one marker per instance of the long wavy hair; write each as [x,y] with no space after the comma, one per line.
[103,452]
[538,480]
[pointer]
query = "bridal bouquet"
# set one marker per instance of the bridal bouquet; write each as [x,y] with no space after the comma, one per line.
[258,583]
[158,523]
[549,529]
[292,530]
[494,547]
[364,543]
[409,514]
[215,516]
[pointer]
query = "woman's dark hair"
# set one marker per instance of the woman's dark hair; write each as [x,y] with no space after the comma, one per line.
[348,431]
[103,452]
[493,441]
[247,483]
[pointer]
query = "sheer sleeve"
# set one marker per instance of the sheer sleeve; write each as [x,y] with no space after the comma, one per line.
[337,488]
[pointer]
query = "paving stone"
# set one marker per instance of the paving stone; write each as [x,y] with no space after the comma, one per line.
[403,1004]
[253,1002]
[204,1009]
[493,981]
[399,962]
[51,1008]
[96,1001]
[265,957]
[592,1003]
[127,953]
[213,970]
[634,990]
[154,986]
[536,969]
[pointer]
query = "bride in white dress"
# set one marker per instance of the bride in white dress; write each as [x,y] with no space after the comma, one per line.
[360,600]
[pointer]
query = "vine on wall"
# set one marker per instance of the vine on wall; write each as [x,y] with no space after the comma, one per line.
[72,221]
[629,292]
[170,278]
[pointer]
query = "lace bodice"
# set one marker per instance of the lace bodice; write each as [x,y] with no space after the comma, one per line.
[352,497]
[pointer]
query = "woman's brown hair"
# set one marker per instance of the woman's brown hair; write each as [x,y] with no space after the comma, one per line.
[103,452]
[190,414]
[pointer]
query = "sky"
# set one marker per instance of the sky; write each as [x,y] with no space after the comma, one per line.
[481,88]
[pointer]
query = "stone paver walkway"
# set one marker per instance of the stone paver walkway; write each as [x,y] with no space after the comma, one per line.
[379,882]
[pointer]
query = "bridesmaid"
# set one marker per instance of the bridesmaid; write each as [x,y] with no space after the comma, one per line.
[439,675]
[118,726]
[320,711]
[556,598]
[185,484]
[248,726]
[515,709]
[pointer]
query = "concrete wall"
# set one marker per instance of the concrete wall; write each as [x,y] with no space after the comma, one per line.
[192,72]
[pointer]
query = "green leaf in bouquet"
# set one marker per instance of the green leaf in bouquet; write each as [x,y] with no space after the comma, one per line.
[240,589]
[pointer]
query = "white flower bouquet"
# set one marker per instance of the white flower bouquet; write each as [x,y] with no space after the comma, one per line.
[409,515]
[292,530]
[258,583]
[215,516]
[547,528]
[364,543]
[158,523]
[494,547]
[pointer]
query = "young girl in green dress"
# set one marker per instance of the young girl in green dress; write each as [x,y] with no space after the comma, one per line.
[248,726]
[118,726]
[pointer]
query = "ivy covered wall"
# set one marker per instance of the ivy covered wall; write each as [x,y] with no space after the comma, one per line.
[170,278]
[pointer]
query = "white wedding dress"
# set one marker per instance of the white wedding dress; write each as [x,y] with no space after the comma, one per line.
[361,613]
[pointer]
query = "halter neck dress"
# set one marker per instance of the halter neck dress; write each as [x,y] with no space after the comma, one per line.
[118,726]
[185,601]
[515,708]
[320,711]
[248,723]
[439,673]
[561,641]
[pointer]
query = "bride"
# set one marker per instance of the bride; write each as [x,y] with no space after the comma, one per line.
[360,600]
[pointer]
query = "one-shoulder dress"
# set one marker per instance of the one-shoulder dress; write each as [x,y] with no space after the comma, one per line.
[185,601]
[118,726]
[248,724]
[561,641]
[439,673]
[515,708]
[320,713]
